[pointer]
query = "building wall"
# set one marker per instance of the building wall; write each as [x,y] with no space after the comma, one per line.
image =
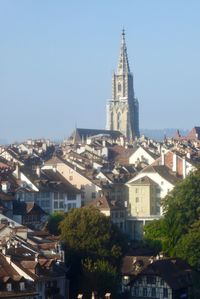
[164,185]
[89,189]
[143,200]
[151,290]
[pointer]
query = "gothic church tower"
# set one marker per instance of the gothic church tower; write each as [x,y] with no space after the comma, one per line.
[123,108]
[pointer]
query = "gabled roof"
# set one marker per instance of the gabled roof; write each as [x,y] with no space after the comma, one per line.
[174,271]
[7,271]
[194,134]
[163,171]
[79,134]
[153,155]
[144,181]
[49,180]
[103,203]
[25,208]
[56,160]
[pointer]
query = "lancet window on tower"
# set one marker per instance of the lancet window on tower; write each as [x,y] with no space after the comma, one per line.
[119,120]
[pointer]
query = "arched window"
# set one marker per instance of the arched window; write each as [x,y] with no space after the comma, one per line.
[118,120]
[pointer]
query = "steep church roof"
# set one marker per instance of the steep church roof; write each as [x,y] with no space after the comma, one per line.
[82,134]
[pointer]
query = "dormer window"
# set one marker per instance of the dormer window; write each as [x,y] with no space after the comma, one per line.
[9,287]
[22,286]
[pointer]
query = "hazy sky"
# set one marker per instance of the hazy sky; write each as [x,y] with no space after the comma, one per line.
[57,58]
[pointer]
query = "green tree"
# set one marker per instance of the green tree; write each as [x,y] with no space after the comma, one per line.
[94,247]
[100,276]
[53,223]
[178,227]
[91,234]
[188,246]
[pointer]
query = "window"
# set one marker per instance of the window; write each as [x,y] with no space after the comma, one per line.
[22,286]
[151,280]
[9,287]
[61,205]
[119,121]
[165,293]
[144,292]
[161,282]
[61,195]
[55,195]
[93,195]
[71,178]
[55,204]
[121,214]
[137,199]
[71,196]
[136,190]
[135,291]
[153,292]
[119,87]
[162,182]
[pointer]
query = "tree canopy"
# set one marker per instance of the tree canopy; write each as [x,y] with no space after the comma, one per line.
[94,247]
[178,231]
[53,223]
[92,234]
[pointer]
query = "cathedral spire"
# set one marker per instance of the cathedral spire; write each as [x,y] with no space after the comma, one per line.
[123,65]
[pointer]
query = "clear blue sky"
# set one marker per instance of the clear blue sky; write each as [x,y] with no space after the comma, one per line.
[57,58]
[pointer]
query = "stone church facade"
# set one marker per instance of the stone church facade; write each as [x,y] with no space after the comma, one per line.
[123,108]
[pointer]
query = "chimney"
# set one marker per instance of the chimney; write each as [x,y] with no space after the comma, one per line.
[17,171]
[188,155]
[36,257]
[174,166]
[163,157]
[8,258]
[184,167]
[94,295]
[38,171]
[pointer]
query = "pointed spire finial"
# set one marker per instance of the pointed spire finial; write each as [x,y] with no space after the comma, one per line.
[123,65]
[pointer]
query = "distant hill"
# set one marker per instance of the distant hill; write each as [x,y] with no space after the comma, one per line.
[159,134]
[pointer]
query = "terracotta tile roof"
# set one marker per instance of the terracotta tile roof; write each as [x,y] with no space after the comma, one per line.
[194,134]
[103,203]
[144,181]
[100,203]
[163,171]
[7,271]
